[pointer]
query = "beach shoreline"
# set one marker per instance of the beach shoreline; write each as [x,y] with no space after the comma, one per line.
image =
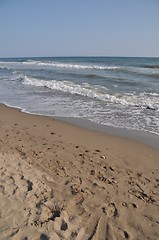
[148,138]
[119,92]
[61,181]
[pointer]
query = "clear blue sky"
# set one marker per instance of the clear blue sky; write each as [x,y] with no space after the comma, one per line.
[79,28]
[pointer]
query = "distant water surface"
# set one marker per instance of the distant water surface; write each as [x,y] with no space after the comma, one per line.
[119,92]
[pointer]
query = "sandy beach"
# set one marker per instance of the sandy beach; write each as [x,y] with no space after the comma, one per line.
[61,182]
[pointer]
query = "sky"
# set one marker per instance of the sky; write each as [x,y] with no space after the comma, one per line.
[34,28]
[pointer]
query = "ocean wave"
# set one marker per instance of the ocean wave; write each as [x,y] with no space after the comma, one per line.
[85,89]
[154,94]
[151,66]
[4,68]
[142,100]
[60,65]
[154,76]
[30,62]
[15,78]
[149,71]
[77,66]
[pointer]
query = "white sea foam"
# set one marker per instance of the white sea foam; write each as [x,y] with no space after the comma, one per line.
[51,64]
[59,65]
[154,94]
[115,92]
[4,67]
[97,92]
[76,66]
[30,62]
[65,86]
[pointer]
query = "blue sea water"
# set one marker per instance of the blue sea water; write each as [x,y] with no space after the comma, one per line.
[113,91]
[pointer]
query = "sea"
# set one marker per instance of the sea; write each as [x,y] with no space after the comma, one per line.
[120,92]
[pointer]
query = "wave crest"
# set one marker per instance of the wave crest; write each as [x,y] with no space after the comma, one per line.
[77,66]
[143,100]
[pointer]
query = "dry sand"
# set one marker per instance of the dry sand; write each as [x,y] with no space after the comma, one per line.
[58,181]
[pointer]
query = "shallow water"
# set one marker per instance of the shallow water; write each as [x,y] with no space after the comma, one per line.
[118,92]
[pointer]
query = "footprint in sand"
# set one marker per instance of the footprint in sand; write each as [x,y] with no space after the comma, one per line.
[111,210]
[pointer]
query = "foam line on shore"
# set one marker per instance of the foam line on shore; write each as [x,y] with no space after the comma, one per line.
[147,138]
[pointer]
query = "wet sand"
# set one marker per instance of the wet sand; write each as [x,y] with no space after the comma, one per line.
[59,181]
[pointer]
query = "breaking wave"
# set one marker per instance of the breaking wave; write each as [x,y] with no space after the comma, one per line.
[143,100]
[72,66]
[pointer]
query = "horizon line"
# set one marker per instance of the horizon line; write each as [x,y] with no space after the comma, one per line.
[76,56]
